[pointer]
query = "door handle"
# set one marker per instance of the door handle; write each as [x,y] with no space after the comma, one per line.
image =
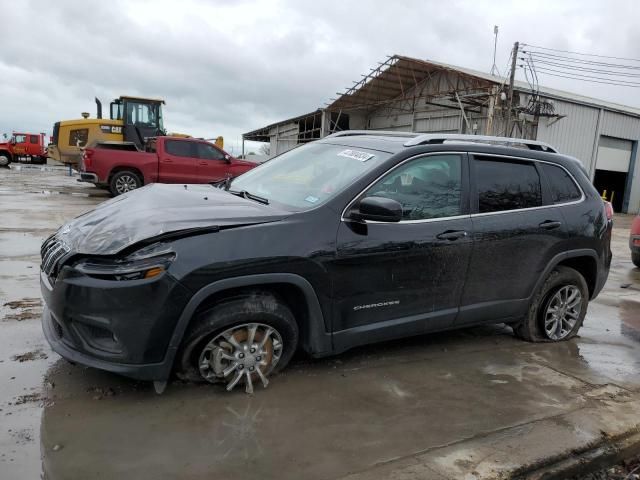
[166,160]
[203,163]
[451,235]
[550,224]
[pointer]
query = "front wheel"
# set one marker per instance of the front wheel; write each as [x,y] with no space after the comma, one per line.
[558,309]
[123,182]
[240,341]
[635,258]
[4,160]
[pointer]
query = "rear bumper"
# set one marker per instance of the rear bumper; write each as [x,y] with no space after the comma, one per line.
[88,177]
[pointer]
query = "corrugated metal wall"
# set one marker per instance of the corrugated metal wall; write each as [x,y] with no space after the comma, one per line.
[283,137]
[578,134]
[573,135]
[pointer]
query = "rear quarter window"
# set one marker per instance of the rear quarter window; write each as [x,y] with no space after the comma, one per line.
[561,186]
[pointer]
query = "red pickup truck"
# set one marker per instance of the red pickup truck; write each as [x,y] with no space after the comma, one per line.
[122,167]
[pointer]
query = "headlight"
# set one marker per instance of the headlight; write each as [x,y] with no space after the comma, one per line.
[148,262]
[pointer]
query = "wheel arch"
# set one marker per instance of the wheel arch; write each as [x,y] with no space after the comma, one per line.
[584,261]
[8,154]
[295,290]
[123,168]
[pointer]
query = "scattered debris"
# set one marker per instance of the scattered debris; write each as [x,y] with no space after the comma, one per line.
[23,315]
[56,447]
[23,436]
[24,303]
[27,398]
[627,470]
[100,392]
[29,356]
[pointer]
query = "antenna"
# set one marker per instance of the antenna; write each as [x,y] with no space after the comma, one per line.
[494,67]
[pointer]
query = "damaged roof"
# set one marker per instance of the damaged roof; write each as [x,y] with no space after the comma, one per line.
[398,74]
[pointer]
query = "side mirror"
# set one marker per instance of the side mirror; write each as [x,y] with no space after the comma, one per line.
[227,157]
[378,209]
[13,141]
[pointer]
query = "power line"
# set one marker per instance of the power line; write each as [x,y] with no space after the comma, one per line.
[578,53]
[551,56]
[586,78]
[584,69]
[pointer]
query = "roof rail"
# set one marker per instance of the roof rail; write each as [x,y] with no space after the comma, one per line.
[380,133]
[433,138]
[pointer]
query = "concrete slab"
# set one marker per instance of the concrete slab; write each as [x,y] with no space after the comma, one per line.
[473,404]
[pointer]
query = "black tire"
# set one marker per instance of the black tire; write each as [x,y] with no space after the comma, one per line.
[123,182]
[635,258]
[532,328]
[251,307]
[5,160]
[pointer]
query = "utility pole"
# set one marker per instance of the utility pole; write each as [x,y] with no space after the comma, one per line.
[514,58]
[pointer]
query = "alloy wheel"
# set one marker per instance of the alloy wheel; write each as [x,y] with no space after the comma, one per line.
[562,313]
[243,353]
[126,183]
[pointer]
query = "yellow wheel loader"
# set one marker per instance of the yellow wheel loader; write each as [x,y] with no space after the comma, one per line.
[131,121]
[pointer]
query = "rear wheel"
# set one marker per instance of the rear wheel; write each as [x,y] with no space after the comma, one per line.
[635,258]
[123,182]
[240,341]
[557,311]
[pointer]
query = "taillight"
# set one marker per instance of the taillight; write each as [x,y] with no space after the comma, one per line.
[608,208]
[86,158]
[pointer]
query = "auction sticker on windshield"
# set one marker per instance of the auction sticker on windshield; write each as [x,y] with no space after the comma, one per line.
[356,155]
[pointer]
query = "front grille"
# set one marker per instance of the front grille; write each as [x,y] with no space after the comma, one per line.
[52,251]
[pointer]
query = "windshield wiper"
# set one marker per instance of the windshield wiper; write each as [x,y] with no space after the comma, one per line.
[250,196]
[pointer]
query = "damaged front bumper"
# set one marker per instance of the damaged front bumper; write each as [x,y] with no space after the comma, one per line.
[120,326]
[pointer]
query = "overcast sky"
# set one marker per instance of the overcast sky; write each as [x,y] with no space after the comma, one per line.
[227,67]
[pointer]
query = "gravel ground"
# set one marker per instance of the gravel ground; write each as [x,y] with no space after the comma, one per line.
[629,470]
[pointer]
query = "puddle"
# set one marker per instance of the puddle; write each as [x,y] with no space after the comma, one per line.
[630,316]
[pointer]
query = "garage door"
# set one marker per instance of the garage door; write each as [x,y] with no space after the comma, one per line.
[614,154]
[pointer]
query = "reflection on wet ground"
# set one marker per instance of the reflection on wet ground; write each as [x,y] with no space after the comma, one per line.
[320,419]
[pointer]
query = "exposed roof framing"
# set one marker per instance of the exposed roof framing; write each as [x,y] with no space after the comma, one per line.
[399,78]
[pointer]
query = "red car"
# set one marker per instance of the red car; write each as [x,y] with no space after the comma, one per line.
[634,241]
[122,167]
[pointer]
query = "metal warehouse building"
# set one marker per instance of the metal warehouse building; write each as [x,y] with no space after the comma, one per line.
[409,94]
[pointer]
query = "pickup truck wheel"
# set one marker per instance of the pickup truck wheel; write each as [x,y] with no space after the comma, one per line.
[123,182]
[4,161]
[240,341]
[558,309]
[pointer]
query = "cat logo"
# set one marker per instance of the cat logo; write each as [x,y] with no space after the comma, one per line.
[115,129]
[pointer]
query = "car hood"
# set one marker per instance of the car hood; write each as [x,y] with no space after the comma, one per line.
[159,209]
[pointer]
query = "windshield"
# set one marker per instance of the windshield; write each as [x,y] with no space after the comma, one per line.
[308,176]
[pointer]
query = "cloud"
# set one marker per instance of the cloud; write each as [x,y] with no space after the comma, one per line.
[228,67]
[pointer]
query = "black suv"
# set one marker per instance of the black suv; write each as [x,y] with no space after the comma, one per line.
[356,238]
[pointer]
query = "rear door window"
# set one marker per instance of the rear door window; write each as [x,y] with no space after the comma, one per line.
[33,139]
[561,186]
[179,148]
[506,185]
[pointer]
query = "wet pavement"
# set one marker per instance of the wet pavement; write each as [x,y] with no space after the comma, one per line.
[475,403]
